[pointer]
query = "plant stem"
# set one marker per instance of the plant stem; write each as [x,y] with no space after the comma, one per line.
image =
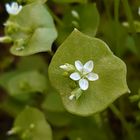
[116,10]
[105,126]
[129,15]
[107,8]
[123,121]
[116,16]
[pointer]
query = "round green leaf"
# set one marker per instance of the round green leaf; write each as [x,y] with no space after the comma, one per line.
[111,70]
[32,30]
[27,82]
[32,125]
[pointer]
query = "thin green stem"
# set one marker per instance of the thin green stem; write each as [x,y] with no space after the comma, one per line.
[107,8]
[116,16]
[106,127]
[123,121]
[116,10]
[129,15]
[117,26]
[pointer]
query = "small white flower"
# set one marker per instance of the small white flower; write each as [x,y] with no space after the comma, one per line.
[13,8]
[139,11]
[84,73]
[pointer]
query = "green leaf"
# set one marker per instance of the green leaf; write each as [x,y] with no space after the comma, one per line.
[70,1]
[32,125]
[27,82]
[34,35]
[111,70]
[27,63]
[53,102]
[11,107]
[130,44]
[83,17]
[117,44]
[4,78]
[54,108]
[86,130]
[59,119]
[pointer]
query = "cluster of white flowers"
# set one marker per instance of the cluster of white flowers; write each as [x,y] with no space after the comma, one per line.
[82,73]
[13,8]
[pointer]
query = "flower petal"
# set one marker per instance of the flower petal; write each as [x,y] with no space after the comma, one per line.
[88,67]
[14,5]
[83,83]
[8,8]
[92,76]
[79,66]
[19,8]
[75,76]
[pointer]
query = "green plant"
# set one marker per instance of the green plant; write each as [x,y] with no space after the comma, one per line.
[69,80]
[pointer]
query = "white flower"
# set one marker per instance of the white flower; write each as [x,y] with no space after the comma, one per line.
[84,74]
[13,8]
[139,11]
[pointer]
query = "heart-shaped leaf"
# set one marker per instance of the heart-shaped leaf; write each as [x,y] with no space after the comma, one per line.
[110,69]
